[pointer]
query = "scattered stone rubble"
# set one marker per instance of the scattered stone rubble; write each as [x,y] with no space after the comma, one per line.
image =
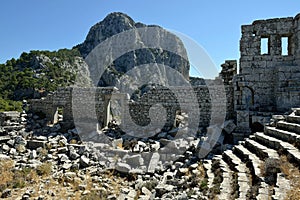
[166,167]
[26,139]
[237,173]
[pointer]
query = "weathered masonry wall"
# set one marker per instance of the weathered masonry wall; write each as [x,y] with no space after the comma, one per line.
[111,104]
[172,103]
[269,77]
[229,70]
[63,99]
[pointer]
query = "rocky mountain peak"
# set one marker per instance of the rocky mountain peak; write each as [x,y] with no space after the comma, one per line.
[112,24]
[117,22]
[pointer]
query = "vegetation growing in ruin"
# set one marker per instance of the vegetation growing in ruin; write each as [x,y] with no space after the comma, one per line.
[293,174]
[24,77]
[20,180]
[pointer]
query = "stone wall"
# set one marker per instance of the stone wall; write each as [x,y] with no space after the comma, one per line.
[198,102]
[268,82]
[63,98]
[229,70]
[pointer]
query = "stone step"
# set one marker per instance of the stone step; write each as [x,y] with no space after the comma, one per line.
[260,150]
[292,127]
[252,159]
[297,111]
[283,135]
[292,152]
[244,185]
[263,192]
[210,175]
[237,165]
[233,161]
[281,188]
[292,118]
[225,187]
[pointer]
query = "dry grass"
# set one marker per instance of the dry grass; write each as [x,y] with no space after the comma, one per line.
[44,169]
[120,146]
[6,175]
[201,169]
[293,174]
[25,177]
[115,182]
[43,152]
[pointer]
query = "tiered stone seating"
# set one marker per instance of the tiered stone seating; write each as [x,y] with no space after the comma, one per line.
[227,180]
[253,162]
[260,150]
[225,186]
[210,175]
[238,166]
[247,158]
[282,134]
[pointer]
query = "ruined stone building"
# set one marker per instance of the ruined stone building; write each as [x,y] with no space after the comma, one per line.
[268,83]
[269,76]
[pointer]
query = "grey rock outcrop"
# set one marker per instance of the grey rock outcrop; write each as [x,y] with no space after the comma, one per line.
[77,66]
[116,23]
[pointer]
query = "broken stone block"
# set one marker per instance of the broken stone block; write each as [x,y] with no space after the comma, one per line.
[134,161]
[33,154]
[117,143]
[84,161]
[123,167]
[164,188]
[41,138]
[34,144]
[153,162]
[67,166]
[5,148]
[155,146]
[13,151]
[73,155]
[229,126]
[6,193]
[4,139]
[63,158]
[62,150]
[10,142]
[4,157]
[146,192]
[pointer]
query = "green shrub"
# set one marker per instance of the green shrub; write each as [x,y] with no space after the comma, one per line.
[10,105]
[17,76]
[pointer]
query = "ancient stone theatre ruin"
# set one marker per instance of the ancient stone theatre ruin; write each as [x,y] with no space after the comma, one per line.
[267,84]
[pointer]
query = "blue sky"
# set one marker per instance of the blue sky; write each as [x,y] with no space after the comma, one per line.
[54,24]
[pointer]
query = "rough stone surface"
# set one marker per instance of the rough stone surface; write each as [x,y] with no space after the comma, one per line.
[116,23]
[268,82]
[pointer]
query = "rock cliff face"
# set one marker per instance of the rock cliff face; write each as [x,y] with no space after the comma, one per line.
[116,23]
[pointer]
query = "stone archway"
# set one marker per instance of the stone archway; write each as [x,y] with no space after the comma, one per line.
[248,97]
